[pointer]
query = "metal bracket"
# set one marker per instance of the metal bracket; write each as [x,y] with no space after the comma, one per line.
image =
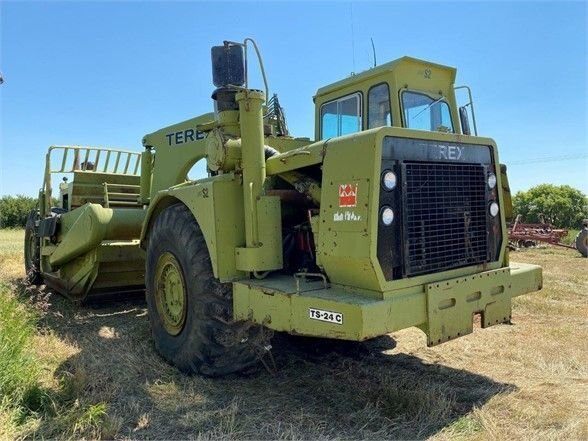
[451,304]
[304,276]
[48,227]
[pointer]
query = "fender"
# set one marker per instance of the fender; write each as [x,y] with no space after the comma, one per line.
[217,206]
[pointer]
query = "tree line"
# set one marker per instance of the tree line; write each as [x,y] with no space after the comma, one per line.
[14,210]
[560,205]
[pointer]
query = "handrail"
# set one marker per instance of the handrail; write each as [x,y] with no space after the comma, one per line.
[91,163]
[471,104]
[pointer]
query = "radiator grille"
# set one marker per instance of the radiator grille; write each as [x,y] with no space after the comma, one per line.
[444,217]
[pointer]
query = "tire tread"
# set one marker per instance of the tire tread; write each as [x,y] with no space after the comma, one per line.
[207,348]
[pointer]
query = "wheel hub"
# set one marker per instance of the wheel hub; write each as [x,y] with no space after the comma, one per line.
[170,293]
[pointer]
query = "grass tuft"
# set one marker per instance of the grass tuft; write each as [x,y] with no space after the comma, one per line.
[413,402]
[465,427]
[91,419]
[570,238]
[19,370]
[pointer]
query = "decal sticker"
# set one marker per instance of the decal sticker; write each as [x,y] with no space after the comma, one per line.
[326,316]
[340,216]
[347,195]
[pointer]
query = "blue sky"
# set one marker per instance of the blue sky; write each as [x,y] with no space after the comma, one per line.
[105,74]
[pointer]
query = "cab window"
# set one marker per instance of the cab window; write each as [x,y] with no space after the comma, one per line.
[341,116]
[379,106]
[422,112]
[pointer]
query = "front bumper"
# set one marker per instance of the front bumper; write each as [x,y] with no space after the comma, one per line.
[443,309]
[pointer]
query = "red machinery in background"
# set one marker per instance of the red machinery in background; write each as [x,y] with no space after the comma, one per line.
[526,235]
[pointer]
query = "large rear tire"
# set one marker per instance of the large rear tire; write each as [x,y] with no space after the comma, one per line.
[190,311]
[32,250]
[582,242]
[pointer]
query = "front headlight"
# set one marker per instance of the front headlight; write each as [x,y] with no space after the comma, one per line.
[387,216]
[491,180]
[389,180]
[493,209]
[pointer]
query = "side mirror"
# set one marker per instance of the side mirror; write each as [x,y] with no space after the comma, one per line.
[228,65]
[465,123]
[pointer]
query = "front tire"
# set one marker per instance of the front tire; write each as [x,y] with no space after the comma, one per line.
[190,311]
[32,250]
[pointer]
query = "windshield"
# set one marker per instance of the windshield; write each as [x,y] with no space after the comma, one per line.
[422,112]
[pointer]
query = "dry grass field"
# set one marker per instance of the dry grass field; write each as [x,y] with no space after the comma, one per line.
[99,376]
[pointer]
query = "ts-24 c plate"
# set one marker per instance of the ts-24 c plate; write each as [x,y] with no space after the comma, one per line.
[326,316]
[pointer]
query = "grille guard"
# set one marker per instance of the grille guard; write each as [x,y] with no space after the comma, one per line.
[445,218]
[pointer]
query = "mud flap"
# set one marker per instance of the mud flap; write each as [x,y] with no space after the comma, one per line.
[452,304]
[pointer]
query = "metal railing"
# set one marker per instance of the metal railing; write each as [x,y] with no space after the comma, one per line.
[88,159]
[470,104]
[125,194]
[96,159]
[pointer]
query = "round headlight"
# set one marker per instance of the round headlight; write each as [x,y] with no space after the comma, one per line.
[491,180]
[493,209]
[387,216]
[389,180]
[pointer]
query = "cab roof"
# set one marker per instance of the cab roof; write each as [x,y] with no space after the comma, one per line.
[391,66]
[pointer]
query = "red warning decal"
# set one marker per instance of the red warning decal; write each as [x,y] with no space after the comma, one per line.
[347,195]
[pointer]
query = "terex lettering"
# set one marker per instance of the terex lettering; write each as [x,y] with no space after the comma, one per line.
[183,136]
[452,152]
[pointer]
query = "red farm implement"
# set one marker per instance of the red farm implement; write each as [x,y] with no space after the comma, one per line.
[526,235]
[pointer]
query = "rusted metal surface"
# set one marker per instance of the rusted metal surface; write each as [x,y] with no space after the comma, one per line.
[524,234]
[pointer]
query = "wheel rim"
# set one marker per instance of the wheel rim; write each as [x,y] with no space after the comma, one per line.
[170,293]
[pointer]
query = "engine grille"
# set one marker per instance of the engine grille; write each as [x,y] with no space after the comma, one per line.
[445,221]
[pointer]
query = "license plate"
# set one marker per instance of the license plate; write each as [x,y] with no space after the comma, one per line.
[326,316]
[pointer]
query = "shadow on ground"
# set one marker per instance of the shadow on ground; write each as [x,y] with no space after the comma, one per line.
[318,391]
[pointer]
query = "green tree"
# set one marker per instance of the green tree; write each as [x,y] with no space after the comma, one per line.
[560,205]
[15,209]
